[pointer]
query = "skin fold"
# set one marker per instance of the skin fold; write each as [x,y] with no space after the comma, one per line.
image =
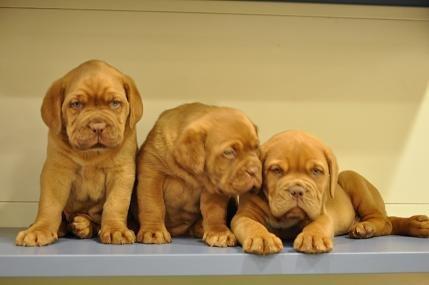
[194,160]
[89,172]
[307,200]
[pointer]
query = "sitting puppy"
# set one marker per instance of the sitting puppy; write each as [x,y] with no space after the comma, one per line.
[89,172]
[305,199]
[193,161]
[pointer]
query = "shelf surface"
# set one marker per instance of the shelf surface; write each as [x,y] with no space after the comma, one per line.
[187,256]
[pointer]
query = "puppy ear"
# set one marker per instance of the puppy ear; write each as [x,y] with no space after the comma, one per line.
[333,170]
[51,106]
[135,101]
[189,151]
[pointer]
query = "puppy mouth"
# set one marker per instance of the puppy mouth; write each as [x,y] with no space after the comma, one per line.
[98,146]
[296,213]
[248,185]
[95,144]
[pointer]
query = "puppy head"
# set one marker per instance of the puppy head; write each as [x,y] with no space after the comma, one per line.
[300,172]
[92,105]
[223,146]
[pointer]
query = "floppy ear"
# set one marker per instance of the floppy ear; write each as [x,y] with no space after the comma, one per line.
[333,170]
[51,106]
[134,99]
[189,151]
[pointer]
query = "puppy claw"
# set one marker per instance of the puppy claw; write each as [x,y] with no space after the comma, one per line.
[362,230]
[312,243]
[263,244]
[153,236]
[220,238]
[116,235]
[36,237]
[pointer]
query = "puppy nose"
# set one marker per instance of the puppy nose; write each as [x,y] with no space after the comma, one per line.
[296,191]
[253,170]
[97,127]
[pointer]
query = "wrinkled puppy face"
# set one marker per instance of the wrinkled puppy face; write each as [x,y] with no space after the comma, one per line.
[224,147]
[299,174]
[94,102]
[95,111]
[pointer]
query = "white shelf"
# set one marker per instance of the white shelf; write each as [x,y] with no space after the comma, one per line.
[73,257]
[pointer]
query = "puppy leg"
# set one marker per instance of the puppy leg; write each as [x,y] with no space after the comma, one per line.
[415,226]
[82,227]
[151,207]
[249,226]
[213,209]
[369,205]
[316,237]
[114,228]
[55,189]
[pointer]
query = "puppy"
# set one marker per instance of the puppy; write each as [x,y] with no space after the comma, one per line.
[305,199]
[89,171]
[193,161]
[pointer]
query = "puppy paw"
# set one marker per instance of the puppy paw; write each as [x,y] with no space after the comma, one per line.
[153,236]
[36,237]
[220,238]
[116,235]
[82,227]
[419,226]
[362,230]
[308,242]
[263,244]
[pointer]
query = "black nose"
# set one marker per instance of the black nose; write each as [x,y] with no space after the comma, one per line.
[296,191]
[97,127]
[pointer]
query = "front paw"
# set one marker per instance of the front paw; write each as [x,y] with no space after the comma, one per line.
[263,244]
[153,235]
[220,237]
[310,242]
[116,235]
[419,226]
[36,237]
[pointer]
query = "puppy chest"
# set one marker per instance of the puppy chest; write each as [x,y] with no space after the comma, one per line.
[89,185]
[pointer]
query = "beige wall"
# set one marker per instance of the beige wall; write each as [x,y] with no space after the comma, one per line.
[355,76]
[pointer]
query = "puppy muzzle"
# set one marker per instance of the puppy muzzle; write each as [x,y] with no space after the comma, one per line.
[97,133]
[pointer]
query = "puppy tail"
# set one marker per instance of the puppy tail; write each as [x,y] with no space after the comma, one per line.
[415,226]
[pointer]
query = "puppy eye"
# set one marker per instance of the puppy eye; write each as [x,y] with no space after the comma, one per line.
[229,153]
[115,104]
[76,105]
[276,169]
[317,171]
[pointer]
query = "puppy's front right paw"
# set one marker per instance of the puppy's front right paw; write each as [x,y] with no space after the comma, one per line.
[36,237]
[263,244]
[153,235]
[312,242]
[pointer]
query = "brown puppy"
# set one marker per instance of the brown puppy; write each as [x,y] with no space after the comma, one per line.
[305,199]
[193,161]
[89,171]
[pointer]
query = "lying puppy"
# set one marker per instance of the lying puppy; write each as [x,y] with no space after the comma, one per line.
[89,171]
[193,161]
[305,199]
